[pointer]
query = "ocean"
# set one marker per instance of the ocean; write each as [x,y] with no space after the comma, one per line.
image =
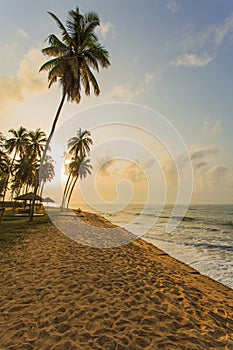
[203,239]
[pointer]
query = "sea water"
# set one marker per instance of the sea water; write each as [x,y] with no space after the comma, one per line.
[203,238]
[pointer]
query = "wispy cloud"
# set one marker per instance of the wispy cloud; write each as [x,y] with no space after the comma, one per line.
[104,165]
[134,172]
[223,30]
[21,32]
[104,29]
[113,168]
[212,127]
[173,6]
[199,49]
[192,60]
[128,93]
[200,158]
[216,175]
[200,165]
[203,153]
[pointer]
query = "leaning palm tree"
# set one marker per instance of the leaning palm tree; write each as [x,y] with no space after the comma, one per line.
[73,57]
[78,146]
[80,168]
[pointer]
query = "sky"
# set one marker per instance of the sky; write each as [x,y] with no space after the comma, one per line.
[170,78]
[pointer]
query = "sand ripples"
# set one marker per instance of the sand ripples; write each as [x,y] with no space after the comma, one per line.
[57,294]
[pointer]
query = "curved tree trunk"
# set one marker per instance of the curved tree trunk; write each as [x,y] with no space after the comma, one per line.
[71,191]
[66,189]
[44,154]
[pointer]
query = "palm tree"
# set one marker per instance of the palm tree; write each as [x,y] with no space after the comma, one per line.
[27,165]
[80,168]
[25,172]
[46,172]
[2,142]
[16,145]
[79,146]
[74,56]
[36,143]
[4,163]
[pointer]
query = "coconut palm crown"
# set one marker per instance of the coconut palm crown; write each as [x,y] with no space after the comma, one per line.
[74,54]
[79,145]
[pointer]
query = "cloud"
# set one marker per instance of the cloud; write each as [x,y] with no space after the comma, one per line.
[210,38]
[170,171]
[128,93]
[26,81]
[202,153]
[216,175]
[199,49]
[149,164]
[104,164]
[173,6]
[21,32]
[192,60]
[104,29]
[212,127]
[223,30]
[115,167]
[134,172]
[200,165]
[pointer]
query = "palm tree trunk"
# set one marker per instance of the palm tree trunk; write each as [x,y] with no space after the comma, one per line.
[44,154]
[71,191]
[66,189]
[42,188]
[8,177]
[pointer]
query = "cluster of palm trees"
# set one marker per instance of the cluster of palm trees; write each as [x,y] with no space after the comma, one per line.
[20,157]
[74,55]
[20,162]
[78,166]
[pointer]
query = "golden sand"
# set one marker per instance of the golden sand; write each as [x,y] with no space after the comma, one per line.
[58,294]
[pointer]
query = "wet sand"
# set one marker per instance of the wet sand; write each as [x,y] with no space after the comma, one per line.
[59,294]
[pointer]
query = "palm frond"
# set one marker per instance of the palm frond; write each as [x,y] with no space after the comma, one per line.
[53,40]
[101,54]
[91,60]
[65,35]
[53,51]
[50,64]
[92,79]
[88,30]
[91,16]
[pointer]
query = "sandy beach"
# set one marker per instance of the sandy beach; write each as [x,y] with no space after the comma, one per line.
[59,294]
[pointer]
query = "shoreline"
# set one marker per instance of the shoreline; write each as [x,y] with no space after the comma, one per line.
[158,251]
[59,294]
[207,254]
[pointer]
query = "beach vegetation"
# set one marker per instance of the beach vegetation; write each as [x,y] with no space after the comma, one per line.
[15,145]
[20,157]
[79,166]
[73,56]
